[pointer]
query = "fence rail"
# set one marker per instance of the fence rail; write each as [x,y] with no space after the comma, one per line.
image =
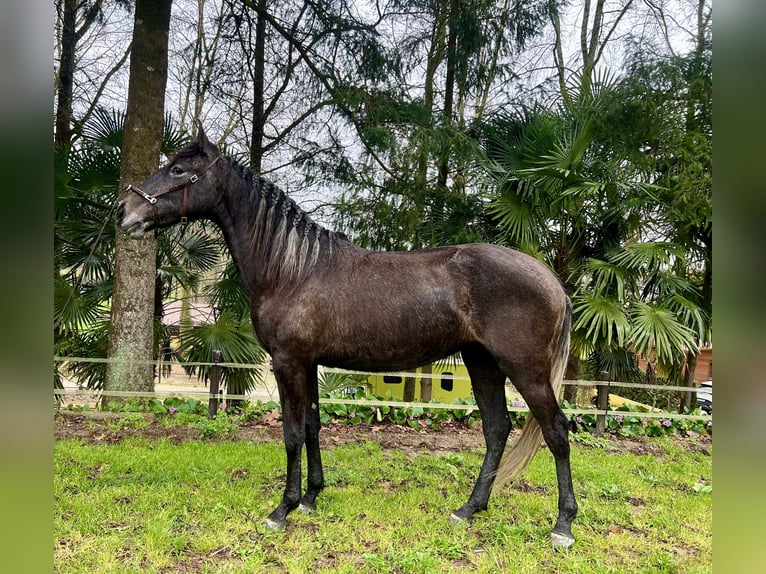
[577,382]
[213,395]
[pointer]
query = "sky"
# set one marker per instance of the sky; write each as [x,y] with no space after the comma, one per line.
[107,43]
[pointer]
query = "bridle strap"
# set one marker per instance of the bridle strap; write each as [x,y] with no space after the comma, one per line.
[152,199]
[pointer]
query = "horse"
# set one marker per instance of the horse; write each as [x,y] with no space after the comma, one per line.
[318,299]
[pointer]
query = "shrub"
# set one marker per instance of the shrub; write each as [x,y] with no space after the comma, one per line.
[630,425]
[219,426]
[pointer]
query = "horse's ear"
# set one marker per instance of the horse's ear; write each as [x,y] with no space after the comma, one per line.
[202,139]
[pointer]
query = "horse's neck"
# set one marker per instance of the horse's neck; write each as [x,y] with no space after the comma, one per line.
[241,228]
[233,220]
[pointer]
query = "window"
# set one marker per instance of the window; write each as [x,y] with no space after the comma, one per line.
[352,391]
[447,382]
[391,380]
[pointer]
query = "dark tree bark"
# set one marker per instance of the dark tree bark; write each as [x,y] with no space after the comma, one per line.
[426,382]
[572,373]
[409,389]
[259,117]
[70,12]
[63,122]
[449,88]
[131,332]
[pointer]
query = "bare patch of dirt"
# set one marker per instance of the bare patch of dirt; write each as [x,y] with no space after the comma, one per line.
[102,428]
[645,445]
[98,427]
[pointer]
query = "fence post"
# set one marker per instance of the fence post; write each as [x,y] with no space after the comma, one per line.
[215,378]
[602,402]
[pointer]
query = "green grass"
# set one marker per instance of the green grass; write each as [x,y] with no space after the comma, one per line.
[152,506]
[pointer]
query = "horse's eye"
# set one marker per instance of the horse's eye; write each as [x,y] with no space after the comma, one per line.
[177,170]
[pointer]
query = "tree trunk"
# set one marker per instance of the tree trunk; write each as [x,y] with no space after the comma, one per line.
[435,55]
[484,88]
[558,58]
[650,378]
[63,127]
[449,93]
[72,11]
[572,373]
[596,34]
[691,366]
[426,383]
[409,389]
[131,328]
[259,119]
[160,343]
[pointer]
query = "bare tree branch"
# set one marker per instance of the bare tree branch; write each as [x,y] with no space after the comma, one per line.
[95,101]
[327,80]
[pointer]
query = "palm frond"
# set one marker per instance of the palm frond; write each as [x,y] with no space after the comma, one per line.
[692,316]
[332,382]
[647,254]
[193,247]
[656,331]
[90,342]
[172,138]
[105,128]
[619,362]
[228,293]
[95,172]
[234,338]
[76,308]
[602,319]
[175,276]
[607,278]
[660,284]
[519,220]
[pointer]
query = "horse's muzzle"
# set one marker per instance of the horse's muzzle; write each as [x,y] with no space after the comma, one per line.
[134,225]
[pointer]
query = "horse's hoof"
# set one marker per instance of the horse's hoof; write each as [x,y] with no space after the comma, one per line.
[274,525]
[561,541]
[458,519]
[305,508]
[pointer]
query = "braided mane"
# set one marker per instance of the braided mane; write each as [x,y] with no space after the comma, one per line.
[285,240]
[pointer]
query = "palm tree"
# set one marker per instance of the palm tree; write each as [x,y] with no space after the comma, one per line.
[671,98]
[85,187]
[564,188]
[230,332]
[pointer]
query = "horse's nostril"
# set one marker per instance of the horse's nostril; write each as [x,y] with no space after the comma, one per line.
[120,211]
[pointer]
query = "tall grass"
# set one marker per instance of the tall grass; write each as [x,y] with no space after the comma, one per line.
[152,506]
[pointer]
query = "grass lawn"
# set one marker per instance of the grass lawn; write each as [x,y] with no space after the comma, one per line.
[148,505]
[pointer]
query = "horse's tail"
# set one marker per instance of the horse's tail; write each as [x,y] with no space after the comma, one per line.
[524,449]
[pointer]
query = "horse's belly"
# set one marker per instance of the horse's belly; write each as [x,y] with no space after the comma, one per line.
[385,362]
[386,345]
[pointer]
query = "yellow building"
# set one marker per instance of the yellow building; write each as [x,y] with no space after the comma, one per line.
[449,381]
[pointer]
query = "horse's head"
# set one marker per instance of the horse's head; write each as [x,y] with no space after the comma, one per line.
[184,189]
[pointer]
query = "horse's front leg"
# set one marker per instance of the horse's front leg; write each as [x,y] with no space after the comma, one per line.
[313,454]
[291,382]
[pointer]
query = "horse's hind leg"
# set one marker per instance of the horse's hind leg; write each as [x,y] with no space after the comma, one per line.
[488,383]
[315,482]
[542,403]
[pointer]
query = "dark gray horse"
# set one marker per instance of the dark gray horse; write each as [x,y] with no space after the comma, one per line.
[317,299]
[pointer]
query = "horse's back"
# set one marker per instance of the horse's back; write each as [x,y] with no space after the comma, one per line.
[457,280]
[500,274]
